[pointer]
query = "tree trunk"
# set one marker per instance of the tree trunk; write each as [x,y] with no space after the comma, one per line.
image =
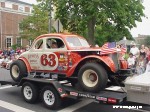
[91,28]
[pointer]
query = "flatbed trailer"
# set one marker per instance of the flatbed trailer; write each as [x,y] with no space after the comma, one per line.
[53,92]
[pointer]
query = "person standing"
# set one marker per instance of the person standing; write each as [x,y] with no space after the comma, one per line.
[143,51]
[134,50]
[131,61]
[141,65]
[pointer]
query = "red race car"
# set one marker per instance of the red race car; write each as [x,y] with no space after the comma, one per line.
[70,57]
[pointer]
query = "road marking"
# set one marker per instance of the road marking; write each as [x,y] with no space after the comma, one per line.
[13,107]
[5,87]
[76,106]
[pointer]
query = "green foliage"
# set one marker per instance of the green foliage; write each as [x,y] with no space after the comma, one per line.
[147,41]
[99,20]
[114,17]
[15,46]
[36,24]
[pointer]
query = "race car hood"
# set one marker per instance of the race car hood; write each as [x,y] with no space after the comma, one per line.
[102,51]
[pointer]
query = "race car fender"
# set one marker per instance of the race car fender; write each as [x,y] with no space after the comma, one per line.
[105,59]
[26,63]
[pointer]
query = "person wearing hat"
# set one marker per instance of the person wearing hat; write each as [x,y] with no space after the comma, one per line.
[134,50]
[54,45]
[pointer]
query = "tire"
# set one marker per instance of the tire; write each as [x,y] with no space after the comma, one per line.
[51,98]
[29,92]
[92,77]
[18,70]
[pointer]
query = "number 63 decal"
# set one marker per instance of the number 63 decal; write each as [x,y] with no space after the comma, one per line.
[48,60]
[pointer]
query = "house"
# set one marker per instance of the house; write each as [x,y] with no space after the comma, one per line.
[12,12]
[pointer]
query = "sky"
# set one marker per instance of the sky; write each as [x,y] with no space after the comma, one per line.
[143,28]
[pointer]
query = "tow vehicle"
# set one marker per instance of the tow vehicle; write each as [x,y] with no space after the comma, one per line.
[71,58]
[52,92]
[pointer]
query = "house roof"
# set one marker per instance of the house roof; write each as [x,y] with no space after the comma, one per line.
[21,2]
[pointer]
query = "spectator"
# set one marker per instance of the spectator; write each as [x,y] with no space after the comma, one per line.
[27,47]
[142,51]
[18,50]
[13,58]
[141,65]
[8,51]
[5,52]
[11,51]
[1,60]
[134,50]
[147,51]
[4,61]
[131,61]
[1,51]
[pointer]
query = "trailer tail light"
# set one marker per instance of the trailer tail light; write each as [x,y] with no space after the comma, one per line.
[112,100]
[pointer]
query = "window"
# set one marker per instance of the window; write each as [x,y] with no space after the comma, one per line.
[19,41]
[77,42]
[21,8]
[8,41]
[8,5]
[39,44]
[54,43]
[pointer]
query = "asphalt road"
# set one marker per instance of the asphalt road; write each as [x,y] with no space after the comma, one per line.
[11,100]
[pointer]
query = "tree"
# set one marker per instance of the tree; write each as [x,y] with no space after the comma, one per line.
[99,20]
[147,41]
[35,24]
[112,16]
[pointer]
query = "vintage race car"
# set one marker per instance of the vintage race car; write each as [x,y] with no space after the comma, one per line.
[70,57]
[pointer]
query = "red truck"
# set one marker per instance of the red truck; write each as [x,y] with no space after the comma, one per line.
[71,58]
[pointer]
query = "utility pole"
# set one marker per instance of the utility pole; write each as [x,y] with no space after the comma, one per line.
[50,16]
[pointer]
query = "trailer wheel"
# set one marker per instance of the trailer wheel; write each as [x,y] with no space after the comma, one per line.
[18,70]
[51,98]
[29,92]
[92,77]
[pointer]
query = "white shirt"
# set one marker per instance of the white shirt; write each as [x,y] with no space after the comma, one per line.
[134,51]
[131,61]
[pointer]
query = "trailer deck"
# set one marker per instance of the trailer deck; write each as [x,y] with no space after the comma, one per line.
[103,97]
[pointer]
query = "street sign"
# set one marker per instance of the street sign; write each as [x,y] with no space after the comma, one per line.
[58,26]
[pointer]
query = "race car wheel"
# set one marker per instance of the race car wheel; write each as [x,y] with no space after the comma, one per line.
[29,92]
[92,77]
[18,70]
[51,98]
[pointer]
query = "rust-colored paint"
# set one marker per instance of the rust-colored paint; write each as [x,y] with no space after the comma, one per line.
[106,59]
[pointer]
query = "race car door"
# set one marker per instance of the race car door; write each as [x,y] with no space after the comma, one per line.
[55,57]
[35,53]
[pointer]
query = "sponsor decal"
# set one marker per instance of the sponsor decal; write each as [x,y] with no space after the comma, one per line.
[60,90]
[101,98]
[70,62]
[33,56]
[87,95]
[74,93]
[33,61]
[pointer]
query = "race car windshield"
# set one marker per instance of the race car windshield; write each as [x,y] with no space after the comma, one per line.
[77,42]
